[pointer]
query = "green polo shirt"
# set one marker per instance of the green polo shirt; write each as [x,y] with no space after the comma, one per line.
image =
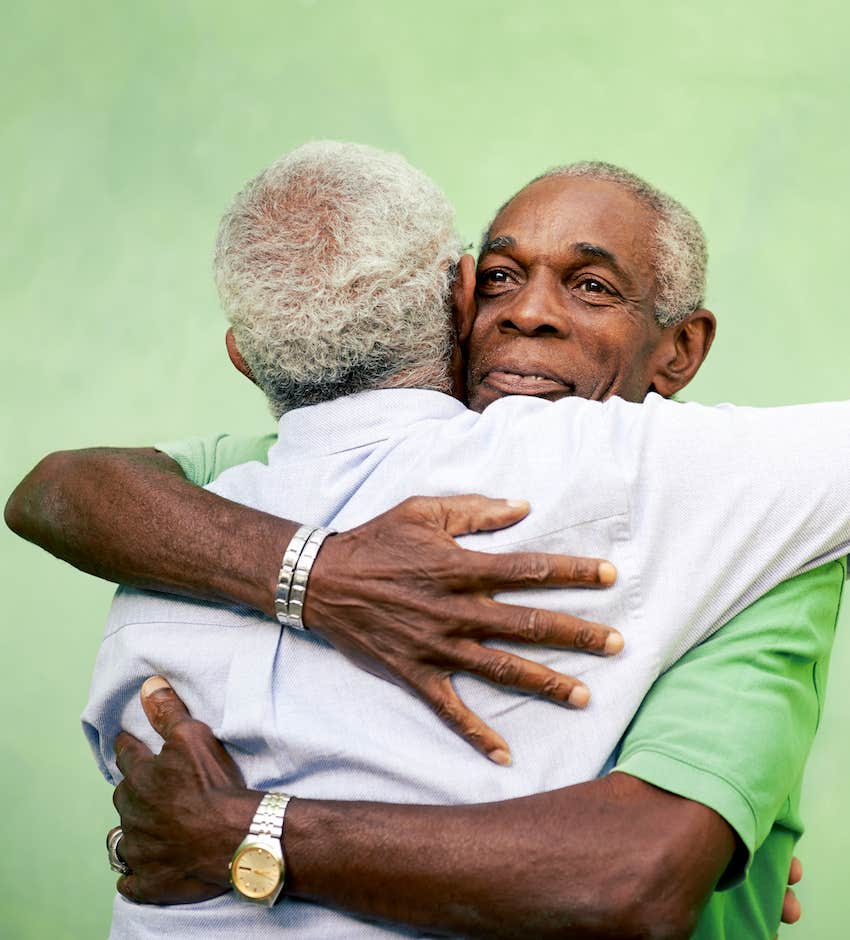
[730,725]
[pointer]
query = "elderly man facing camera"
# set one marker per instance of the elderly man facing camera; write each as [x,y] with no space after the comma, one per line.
[275,698]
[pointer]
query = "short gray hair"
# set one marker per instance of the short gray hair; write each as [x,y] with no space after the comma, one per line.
[680,255]
[334,267]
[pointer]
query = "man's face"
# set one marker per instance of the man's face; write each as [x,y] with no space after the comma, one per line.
[566,295]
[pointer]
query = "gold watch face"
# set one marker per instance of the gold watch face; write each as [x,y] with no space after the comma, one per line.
[256,872]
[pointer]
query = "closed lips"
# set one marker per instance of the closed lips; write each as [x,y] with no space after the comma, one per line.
[523,383]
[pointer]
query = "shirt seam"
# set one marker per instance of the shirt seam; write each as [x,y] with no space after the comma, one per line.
[181,623]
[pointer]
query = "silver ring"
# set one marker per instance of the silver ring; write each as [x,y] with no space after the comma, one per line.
[116,863]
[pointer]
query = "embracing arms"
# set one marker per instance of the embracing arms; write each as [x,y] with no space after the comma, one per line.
[615,857]
[415,854]
[397,596]
[729,727]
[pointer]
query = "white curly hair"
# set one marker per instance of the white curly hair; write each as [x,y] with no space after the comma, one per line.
[680,255]
[334,267]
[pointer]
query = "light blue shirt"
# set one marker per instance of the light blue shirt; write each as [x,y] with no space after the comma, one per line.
[702,510]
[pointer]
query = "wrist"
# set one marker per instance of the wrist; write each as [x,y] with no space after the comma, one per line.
[278,539]
[303,843]
[232,815]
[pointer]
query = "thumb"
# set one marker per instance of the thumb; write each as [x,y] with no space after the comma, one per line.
[162,705]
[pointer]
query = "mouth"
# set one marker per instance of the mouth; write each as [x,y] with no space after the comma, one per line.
[525,383]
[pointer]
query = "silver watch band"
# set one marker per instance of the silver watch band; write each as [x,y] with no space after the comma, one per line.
[295,573]
[268,820]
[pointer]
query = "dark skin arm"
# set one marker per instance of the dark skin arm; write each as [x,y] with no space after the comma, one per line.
[397,596]
[614,857]
[130,516]
[609,858]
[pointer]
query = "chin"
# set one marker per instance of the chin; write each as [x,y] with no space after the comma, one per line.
[480,398]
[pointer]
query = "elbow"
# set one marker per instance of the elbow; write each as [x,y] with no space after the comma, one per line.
[643,900]
[653,905]
[13,512]
[635,897]
[634,918]
[31,499]
[655,921]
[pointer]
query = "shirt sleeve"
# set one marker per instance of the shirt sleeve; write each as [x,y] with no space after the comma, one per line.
[202,459]
[731,724]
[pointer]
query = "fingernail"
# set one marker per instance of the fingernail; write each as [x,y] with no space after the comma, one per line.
[518,504]
[579,697]
[501,757]
[607,573]
[154,684]
[614,643]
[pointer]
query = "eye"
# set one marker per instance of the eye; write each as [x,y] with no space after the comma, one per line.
[593,290]
[593,286]
[494,280]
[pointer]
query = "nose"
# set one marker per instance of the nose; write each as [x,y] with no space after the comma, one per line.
[535,311]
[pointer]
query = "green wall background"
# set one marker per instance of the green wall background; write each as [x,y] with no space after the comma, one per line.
[127,127]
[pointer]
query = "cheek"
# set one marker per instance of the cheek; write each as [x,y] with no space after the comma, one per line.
[613,361]
[633,367]
[480,341]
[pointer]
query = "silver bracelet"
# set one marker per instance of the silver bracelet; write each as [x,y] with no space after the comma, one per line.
[287,569]
[294,574]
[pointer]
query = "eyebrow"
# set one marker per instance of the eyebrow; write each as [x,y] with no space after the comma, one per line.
[597,251]
[497,243]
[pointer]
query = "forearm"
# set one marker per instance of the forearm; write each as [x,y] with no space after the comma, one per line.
[610,858]
[130,516]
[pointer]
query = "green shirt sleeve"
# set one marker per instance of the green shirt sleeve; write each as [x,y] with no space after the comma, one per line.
[203,459]
[730,725]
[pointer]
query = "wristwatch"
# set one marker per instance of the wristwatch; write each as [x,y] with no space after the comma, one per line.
[257,869]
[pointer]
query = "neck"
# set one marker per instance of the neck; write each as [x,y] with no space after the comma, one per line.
[428,376]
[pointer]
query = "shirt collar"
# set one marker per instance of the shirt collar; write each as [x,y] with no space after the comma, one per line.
[360,419]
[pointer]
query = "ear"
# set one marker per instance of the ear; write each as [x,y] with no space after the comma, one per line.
[236,356]
[463,315]
[463,297]
[683,351]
